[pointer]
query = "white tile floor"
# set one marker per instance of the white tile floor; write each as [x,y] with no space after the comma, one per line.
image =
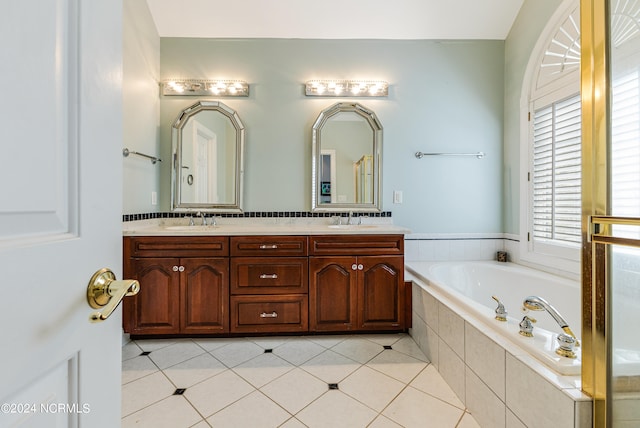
[382,381]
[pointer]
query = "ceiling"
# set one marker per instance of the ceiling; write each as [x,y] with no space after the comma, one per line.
[335,19]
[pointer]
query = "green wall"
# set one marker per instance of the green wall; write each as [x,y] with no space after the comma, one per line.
[520,42]
[445,96]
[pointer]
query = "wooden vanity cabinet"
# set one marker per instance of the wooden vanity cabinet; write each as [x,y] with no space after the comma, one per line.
[184,285]
[210,285]
[269,284]
[356,283]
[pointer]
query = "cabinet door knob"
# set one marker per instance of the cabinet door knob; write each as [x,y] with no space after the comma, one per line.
[354,267]
[360,267]
[269,276]
[181,268]
[175,268]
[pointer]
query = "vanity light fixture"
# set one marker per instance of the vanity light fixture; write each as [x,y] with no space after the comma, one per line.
[219,88]
[346,88]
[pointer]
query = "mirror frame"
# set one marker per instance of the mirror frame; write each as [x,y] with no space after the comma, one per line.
[316,148]
[176,142]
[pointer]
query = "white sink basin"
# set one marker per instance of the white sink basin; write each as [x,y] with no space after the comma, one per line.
[198,228]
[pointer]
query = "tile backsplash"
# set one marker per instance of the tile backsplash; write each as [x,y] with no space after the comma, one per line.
[253,214]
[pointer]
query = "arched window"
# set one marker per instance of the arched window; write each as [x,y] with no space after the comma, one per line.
[551,145]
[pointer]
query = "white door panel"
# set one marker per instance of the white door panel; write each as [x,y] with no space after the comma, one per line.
[60,210]
[39,111]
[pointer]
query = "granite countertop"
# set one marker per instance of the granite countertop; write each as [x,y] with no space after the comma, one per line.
[180,227]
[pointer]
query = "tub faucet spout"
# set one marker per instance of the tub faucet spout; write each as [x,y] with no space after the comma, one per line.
[536,303]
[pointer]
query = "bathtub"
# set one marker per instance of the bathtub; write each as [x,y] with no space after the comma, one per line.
[504,379]
[471,285]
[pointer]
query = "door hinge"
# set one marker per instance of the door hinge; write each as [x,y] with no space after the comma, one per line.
[528,237]
[528,176]
[529,117]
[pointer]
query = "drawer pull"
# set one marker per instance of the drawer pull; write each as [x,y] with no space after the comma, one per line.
[273,314]
[269,276]
[269,246]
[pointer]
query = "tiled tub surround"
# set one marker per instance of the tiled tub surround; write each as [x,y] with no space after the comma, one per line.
[472,284]
[498,381]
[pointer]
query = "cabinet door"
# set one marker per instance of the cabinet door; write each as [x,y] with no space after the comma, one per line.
[155,309]
[332,293]
[381,293]
[205,295]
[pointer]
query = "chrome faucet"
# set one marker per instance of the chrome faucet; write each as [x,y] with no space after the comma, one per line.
[203,216]
[352,219]
[536,303]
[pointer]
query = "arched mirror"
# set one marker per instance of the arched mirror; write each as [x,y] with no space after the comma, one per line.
[346,147]
[208,148]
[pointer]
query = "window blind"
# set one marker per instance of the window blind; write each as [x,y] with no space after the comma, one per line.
[556,172]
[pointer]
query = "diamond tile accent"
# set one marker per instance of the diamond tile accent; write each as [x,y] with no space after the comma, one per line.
[333,386]
[179,391]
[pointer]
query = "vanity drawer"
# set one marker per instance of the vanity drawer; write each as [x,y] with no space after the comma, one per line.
[269,275]
[255,314]
[351,245]
[258,246]
[176,246]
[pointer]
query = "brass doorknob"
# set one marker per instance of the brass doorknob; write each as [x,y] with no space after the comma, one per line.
[105,292]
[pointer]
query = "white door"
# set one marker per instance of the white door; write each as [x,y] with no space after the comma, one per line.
[205,152]
[60,210]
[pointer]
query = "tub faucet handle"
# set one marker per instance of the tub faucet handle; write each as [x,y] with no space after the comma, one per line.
[526,326]
[501,312]
[567,343]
